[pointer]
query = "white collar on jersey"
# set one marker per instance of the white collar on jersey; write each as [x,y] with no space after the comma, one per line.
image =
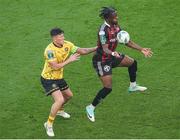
[106,23]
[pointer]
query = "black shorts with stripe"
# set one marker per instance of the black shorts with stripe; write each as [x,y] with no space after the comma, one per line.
[105,68]
[53,85]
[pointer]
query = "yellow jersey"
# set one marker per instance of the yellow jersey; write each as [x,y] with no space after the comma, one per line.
[53,53]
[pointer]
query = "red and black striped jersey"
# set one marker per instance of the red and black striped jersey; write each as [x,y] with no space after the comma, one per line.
[107,35]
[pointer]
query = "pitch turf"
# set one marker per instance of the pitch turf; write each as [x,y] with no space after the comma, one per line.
[24,33]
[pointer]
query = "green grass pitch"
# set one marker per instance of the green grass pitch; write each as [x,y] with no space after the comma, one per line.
[24,34]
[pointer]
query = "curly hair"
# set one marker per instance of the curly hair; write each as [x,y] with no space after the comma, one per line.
[106,12]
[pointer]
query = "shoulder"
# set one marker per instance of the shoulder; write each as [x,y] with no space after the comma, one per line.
[68,43]
[103,29]
[49,47]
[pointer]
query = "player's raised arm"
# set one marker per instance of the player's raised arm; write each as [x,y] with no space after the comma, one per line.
[85,51]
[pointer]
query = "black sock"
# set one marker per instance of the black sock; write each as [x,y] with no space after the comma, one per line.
[132,71]
[101,95]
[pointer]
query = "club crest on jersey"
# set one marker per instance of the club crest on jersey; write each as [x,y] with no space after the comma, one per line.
[106,68]
[50,54]
[66,49]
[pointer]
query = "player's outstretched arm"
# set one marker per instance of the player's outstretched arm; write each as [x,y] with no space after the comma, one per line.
[84,51]
[55,65]
[146,51]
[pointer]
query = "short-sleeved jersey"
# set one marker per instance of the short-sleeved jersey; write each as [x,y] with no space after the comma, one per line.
[107,35]
[53,53]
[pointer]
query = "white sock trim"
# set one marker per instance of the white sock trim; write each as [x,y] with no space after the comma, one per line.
[93,107]
[132,84]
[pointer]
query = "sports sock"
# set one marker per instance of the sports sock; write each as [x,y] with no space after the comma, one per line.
[132,84]
[101,95]
[93,107]
[132,71]
[50,120]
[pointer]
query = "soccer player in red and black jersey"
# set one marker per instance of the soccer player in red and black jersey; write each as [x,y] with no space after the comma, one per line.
[106,58]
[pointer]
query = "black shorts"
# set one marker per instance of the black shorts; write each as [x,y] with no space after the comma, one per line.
[105,68]
[53,85]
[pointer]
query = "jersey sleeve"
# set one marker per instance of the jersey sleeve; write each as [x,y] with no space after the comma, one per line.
[50,55]
[73,48]
[103,36]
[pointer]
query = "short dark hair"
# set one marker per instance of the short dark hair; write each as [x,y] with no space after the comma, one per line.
[106,12]
[56,31]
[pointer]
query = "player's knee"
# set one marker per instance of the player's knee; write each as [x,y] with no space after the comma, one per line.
[108,85]
[59,100]
[134,62]
[133,65]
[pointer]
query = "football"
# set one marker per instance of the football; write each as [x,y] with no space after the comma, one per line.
[123,37]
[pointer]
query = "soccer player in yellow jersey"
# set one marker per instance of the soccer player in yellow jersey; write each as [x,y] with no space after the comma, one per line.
[56,57]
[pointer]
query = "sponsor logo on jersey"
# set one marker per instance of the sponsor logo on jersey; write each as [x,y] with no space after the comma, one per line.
[113,40]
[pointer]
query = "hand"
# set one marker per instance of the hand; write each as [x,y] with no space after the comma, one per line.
[116,54]
[147,52]
[74,57]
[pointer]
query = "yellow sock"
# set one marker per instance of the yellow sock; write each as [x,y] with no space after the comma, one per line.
[50,120]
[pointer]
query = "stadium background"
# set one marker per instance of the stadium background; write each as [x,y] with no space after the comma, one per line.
[24,33]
